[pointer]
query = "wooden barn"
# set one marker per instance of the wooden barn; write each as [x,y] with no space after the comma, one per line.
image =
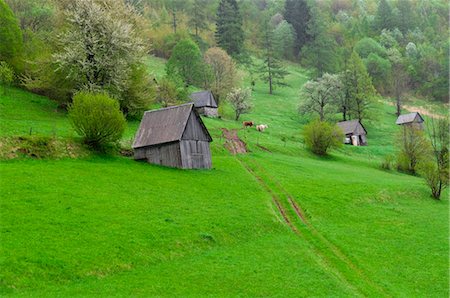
[173,137]
[410,119]
[355,133]
[205,104]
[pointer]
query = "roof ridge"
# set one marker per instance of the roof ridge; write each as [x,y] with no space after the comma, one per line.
[168,108]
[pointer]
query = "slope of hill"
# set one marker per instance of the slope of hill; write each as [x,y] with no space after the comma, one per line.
[277,221]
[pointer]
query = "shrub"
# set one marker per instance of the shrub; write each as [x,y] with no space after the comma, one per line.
[97,118]
[387,162]
[6,75]
[436,179]
[413,148]
[320,136]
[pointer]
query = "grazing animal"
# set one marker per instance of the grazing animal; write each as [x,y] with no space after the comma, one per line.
[261,127]
[247,124]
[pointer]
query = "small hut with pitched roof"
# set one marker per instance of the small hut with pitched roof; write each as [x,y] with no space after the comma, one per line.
[412,119]
[174,137]
[205,104]
[355,133]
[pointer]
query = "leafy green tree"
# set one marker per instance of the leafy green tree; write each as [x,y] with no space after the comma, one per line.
[359,87]
[240,101]
[6,75]
[318,96]
[10,37]
[413,148]
[367,46]
[321,136]
[399,77]
[297,13]
[170,91]
[380,71]
[229,33]
[97,118]
[222,71]
[186,62]
[283,40]
[384,18]
[321,51]
[100,47]
[271,70]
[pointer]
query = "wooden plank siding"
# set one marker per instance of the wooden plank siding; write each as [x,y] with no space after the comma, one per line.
[168,155]
[195,154]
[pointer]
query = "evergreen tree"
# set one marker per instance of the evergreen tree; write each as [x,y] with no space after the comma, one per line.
[271,70]
[406,18]
[297,13]
[384,19]
[321,52]
[198,16]
[360,89]
[229,34]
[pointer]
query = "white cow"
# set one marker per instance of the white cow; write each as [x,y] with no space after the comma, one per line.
[261,127]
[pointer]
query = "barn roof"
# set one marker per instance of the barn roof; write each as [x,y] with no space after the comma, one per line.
[203,99]
[409,118]
[165,125]
[350,126]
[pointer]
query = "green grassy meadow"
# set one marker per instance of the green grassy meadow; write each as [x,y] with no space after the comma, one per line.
[277,221]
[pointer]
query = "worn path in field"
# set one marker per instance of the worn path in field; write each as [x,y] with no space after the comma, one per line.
[328,255]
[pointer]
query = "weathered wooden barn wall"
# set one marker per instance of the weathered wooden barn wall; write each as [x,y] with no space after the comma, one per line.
[195,154]
[165,154]
[210,112]
[194,130]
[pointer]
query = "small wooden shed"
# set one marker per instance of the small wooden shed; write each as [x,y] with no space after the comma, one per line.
[355,133]
[414,119]
[205,104]
[173,137]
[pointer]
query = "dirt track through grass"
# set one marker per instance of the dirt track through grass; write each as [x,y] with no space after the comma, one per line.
[329,255]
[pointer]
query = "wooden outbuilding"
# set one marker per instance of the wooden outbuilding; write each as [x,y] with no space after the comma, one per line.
[174,137]
[355,133]
[205,104]
[413,119]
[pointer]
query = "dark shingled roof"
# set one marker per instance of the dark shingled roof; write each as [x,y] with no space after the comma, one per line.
[164,125]
[409,118]
[351,126]
[203,99]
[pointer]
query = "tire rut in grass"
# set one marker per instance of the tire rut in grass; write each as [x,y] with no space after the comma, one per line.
[324,246]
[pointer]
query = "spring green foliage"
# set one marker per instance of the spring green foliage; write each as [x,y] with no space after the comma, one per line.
[170,91]
[10,37]
[283,40]
[413,148]
[359,87]
[142,222]
[229,34]
[198,16]
[97,118]
[367,46]
[222,73]
[321,136]
[6,75]
[379,70]
[186,63]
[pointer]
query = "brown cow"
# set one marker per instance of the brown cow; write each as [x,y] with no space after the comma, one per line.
[247,124]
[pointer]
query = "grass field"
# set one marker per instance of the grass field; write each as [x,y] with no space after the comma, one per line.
[109,226]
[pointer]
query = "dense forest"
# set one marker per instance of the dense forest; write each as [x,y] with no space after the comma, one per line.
[401,44]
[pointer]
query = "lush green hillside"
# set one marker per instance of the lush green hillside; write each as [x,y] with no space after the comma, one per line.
[277,221]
